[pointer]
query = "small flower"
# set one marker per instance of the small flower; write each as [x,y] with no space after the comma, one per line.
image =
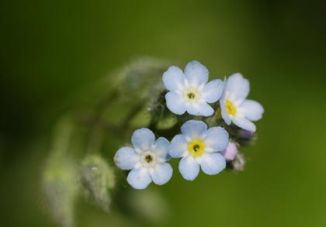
[199,147]
[235,108]
[146,159]
[189,90]
[231,151]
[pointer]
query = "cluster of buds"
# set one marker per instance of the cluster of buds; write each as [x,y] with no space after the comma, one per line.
[212,120]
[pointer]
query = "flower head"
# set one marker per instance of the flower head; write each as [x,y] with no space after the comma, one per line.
[236,108]
[189,90]
[146,159]
[199,147]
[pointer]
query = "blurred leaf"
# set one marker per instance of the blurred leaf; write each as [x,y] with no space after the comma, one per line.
[60,181]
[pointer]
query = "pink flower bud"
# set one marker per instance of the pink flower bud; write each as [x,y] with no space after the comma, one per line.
[231,151]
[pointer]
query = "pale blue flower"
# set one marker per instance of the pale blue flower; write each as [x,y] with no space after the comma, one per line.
[188,90]
[236,108]
[146,159]
[199,147]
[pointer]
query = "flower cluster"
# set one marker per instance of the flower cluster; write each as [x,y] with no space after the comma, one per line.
[203,144]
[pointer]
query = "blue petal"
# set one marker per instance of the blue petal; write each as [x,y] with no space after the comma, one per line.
[193,109]
[196,73]
[193,129]
[237,87]
[139,178]
[217,139]
[188,168]
[213,91]
[143,139]
[161,147]
[175,103]
[253,110]
[200,109]
[212,163]
[244,124]
[178,146]
[126,158]
[206,110]
[162,173]
[173,78]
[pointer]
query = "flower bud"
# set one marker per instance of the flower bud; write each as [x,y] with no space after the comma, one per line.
[239,162]
[246,137]
[97,178]
[230,152]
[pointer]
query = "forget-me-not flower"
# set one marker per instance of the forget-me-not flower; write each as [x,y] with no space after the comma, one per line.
[188,90]
[199,147]
[146,159]
[234,106]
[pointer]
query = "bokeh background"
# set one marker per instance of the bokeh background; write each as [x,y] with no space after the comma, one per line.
[50,50]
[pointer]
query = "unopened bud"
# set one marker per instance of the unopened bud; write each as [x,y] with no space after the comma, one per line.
[231,151]
[246,137]
[239,162]
[97,178]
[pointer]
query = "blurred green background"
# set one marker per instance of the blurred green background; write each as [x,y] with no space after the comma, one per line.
[50,50]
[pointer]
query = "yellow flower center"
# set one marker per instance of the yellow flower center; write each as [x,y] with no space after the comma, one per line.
[196,147]
[230,108]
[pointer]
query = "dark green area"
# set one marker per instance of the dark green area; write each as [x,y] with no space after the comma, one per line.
[51,51]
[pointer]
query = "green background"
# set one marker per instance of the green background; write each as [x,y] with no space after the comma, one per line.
[52,49]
